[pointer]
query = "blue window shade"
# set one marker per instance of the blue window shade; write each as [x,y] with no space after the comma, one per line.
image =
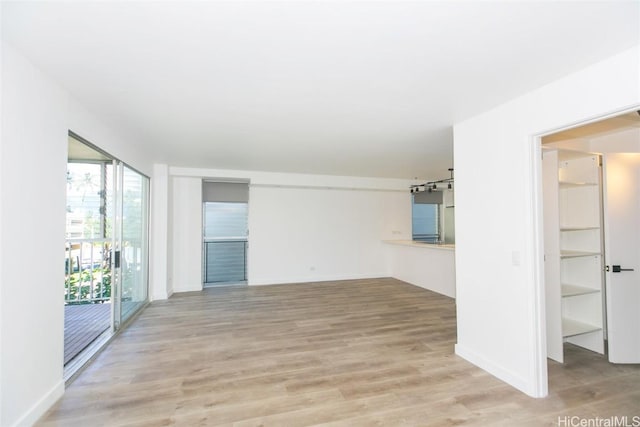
[225,261]
[225,242]
[234,192]
[225,220]
[425,222]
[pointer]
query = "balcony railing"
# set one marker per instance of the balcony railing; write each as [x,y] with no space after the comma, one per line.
[87,292]
[87,271]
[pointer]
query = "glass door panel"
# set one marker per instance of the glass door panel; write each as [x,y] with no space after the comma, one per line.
[134,242]
[88,308]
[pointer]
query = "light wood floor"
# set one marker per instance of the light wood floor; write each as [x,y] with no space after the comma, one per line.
[352,353]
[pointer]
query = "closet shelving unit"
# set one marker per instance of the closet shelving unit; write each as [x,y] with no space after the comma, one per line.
[580,251]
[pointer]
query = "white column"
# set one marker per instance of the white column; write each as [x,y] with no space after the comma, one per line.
[158,256]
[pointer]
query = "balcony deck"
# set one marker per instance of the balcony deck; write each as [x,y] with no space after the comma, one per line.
[82,325]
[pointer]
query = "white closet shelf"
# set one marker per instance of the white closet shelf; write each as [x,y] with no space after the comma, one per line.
[568,184]
[569,290]
[576,254]
[572,327]
[578,228]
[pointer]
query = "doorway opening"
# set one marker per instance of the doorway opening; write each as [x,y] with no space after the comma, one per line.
[591,210]
[225,233]
[106,249]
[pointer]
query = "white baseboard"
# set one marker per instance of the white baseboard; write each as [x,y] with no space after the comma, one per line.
[308,279]
[446,292]
[496,370]
[41,406]
[190,287]
[159,296]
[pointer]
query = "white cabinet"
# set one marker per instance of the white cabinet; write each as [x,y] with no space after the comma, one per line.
[573,256]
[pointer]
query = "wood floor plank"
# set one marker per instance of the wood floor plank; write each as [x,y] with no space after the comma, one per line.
[345,353]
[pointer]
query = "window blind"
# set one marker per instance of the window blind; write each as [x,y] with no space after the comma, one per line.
[427,198]
[227,192]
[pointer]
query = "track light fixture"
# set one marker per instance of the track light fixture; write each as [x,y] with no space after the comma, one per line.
[433,185]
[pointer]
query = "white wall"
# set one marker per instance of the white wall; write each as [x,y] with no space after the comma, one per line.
[186,234]
[34,139]
[295,179]
[158,249]
[428,266]
[2,135]
[36,116]
[314,234]
[500,299]
[303,227]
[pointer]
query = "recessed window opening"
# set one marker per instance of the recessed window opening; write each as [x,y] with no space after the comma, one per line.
[225,232]
[425,215]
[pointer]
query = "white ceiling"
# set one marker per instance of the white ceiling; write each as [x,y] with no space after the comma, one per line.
[334,87]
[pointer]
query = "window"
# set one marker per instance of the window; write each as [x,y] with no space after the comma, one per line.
[225,221]
[425,222]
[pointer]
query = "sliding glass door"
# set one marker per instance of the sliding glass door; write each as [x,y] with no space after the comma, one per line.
[131,242]
[106,265]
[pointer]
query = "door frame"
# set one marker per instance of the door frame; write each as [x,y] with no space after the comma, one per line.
[538,315]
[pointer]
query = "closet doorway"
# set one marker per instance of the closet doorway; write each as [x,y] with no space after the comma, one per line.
[225,213]
[592,173]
